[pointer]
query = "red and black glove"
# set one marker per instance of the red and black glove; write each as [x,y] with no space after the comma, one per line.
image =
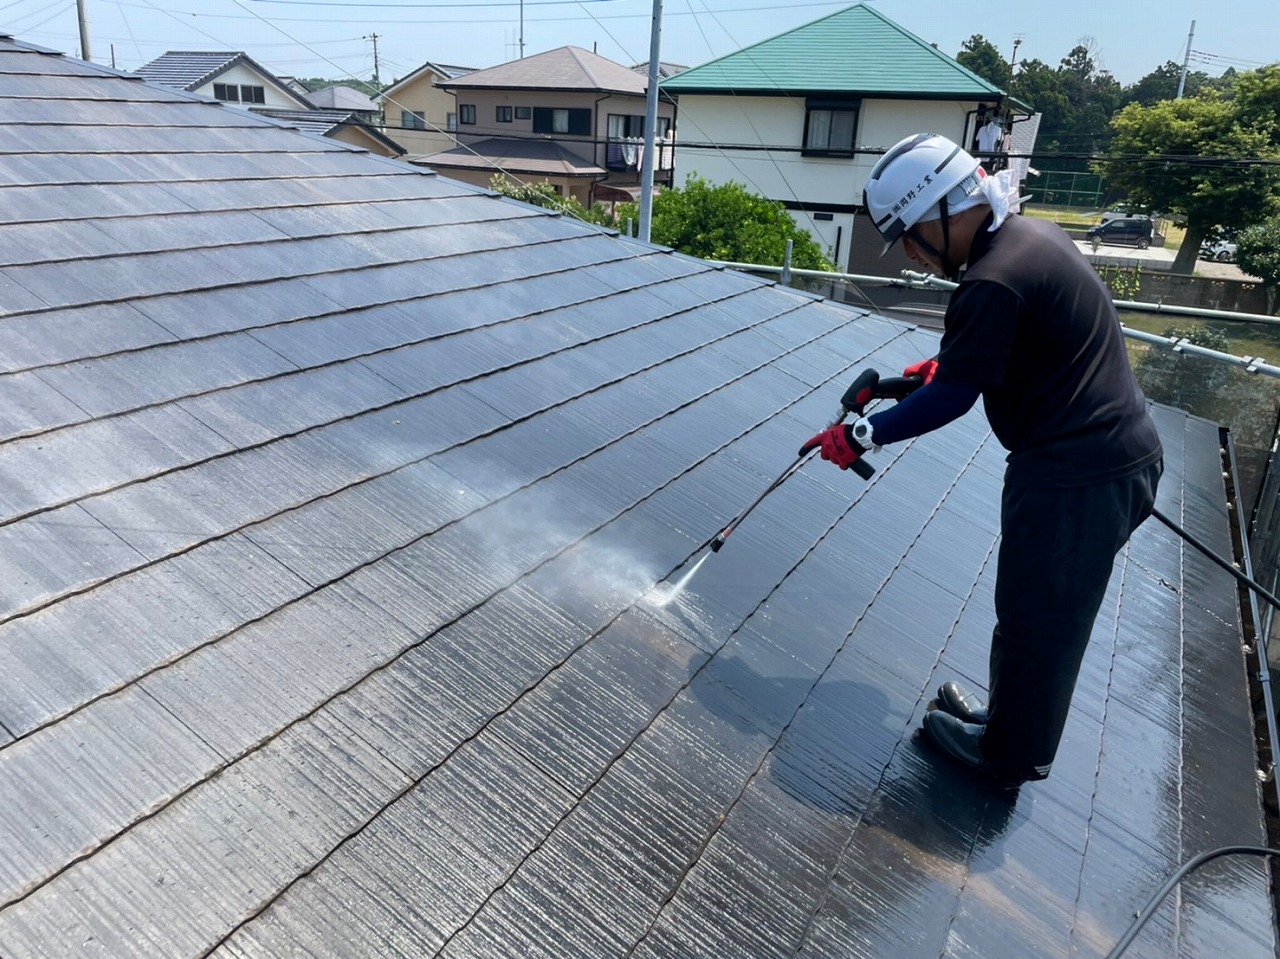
[838,446]
[925,369]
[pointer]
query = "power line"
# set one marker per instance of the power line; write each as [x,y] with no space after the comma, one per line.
[466,4]
[12,26]
[383,20]
[1214,58]
[59,4]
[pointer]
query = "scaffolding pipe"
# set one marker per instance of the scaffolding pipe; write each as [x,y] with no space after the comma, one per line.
[913,280]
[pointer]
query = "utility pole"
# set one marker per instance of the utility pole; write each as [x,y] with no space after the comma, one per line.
[376,82]
[1017,42]
[650,124]
[84,31]
[1182,80]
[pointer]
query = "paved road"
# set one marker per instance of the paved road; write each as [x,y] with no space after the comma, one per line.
[1158,258]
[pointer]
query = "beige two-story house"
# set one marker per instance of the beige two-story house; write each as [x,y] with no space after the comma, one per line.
[418,113]
[568,117]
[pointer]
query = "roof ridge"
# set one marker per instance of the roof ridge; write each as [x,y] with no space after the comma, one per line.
[877,45]
[573,50]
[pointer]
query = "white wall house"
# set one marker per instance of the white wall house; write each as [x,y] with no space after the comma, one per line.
[234,78]
[796,124]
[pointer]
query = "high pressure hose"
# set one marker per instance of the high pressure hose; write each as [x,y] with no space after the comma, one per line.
[1189,867]
[1245,580]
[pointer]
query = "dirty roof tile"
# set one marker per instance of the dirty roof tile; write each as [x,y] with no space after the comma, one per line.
[341,504]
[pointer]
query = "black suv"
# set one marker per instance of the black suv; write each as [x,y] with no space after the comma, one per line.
[1127,230]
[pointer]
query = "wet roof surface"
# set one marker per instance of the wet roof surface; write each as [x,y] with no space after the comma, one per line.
[335,498]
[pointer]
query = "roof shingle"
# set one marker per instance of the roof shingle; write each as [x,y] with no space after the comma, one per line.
[333,499]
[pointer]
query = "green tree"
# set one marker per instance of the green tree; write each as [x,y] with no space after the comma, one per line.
[544,195]
[1075,101]
[1257,100]
[726,222]
[319,83]
[1223,84]
[1093,96]
[1194,156]
[1162,84]
[1258,254]
[981,56]
[1040,85]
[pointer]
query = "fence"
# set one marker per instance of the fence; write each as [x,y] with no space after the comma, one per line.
[1065,188]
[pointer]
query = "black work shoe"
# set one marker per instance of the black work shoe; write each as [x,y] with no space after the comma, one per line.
[963,705]
[963,743]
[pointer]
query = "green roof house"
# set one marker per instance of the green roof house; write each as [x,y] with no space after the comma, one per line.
[802,118]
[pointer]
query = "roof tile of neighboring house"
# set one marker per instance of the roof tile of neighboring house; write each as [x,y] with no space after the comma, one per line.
[327,122]
[333,499]
[664,69]
[442,70]
[189,70]
[513,155]
[857,50]
[571,69]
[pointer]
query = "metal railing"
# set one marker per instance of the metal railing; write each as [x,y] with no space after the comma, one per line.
[925,281]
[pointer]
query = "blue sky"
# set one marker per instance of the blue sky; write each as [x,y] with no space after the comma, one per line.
[331,38]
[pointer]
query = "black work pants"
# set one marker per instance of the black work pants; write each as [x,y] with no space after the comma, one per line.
[1056,552]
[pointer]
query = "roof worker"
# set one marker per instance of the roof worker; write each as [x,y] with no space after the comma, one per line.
[1032,330]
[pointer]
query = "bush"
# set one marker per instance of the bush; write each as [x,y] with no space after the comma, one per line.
[726,222]
[544,195]
[1181,379]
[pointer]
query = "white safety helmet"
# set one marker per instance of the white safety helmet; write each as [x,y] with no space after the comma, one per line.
[921,178]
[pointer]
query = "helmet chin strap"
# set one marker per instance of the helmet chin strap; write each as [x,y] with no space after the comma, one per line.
[951,272]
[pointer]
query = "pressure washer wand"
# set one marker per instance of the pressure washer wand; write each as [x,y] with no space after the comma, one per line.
[718,540]
[861,392]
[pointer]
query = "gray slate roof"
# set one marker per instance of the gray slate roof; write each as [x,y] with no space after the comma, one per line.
[513,155]
[333,496]
[328,122]
[190,70]
[570,69]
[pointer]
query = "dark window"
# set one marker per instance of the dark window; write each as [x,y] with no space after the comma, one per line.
[226,92]
[250,94]
[575,122]
[523,113]
[830,127]
[413,120]
[502,114]
[467,113]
